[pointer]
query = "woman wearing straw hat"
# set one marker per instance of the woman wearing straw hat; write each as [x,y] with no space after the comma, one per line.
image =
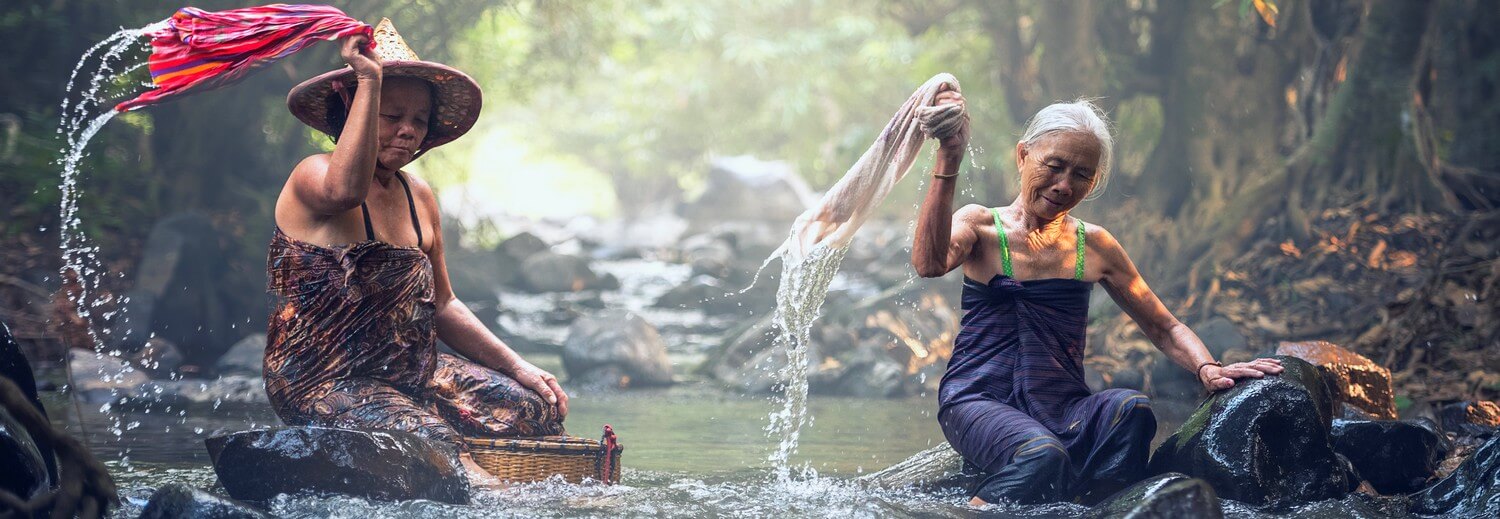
[361,293]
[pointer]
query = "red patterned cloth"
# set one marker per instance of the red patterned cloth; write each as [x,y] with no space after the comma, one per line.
[201,49]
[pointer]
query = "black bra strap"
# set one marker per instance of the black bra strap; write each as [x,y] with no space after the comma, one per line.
[369,229]
[412,205]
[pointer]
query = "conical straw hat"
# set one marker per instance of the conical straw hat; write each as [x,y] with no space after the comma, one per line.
[456,97]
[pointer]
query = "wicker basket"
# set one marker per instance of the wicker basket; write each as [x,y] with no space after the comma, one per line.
[525,460]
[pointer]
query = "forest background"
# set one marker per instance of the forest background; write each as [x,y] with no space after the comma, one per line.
[1305,170]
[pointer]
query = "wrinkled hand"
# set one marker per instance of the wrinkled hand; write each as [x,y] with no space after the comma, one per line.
[360,57]
[543,383]
[1215,378]
[958,141]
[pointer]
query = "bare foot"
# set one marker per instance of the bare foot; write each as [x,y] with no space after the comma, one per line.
[478,477]
[976,501]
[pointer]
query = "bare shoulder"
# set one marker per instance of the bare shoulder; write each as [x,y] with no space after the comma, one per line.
[973,214]
[422,191]
[316,163]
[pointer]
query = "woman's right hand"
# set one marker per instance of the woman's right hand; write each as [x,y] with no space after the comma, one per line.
[360,57]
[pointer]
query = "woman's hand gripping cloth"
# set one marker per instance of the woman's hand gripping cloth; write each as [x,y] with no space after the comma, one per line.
[197,49]
[845,207]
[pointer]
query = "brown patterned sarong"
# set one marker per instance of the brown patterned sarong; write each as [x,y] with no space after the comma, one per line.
[351,344]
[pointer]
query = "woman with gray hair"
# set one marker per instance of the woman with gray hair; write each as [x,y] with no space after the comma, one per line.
[1013,401]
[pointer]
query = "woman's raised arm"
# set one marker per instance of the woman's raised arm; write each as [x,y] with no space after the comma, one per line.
[330,184]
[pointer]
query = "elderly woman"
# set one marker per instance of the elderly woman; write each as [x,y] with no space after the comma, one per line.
[1013,401]
[356,269]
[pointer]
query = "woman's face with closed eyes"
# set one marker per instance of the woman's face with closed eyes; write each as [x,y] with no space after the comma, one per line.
[1057,171]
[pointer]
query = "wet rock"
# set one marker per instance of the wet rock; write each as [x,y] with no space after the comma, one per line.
[554,272]
[749,357]
[1472,419]
[934,469]
[1472,490]
[1166,495]
[159,357]
[746,188]
[704,293]
[99,378]
[620,340]
[1262,441]
[383,465]
[179,501]
[1394,457]
[25,472]
[246,357]
[521,246]
[1356,379]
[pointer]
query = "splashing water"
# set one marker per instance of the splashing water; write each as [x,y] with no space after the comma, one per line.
[100,72]
[820,237]
[804,285]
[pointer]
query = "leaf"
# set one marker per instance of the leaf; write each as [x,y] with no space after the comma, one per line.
[1267,10]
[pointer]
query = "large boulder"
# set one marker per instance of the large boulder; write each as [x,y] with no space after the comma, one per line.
[746,188]
[1356,380]
[1473,490]
[185,293]
[1263,441]
[1166,495]
[615,348]
[521,246]
[383,465]
[25,473]
[1394,457]
[554,272]
[179,501]
[934,469]
[246,357]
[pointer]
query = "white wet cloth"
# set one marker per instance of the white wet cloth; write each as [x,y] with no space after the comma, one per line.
[846,206]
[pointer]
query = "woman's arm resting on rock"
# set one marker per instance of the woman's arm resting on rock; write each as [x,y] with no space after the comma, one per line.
[330,184]
[461,330]
[1126,286]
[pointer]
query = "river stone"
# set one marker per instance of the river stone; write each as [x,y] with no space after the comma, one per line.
[246,357]
[1474,419]
[1395,457]
[521,246]
[159,357]
[1166,495]
[553,272]
[100,378]
[1262,441]
[747,188]
[384,465]
[615,348]
[179,501]
[704,293]
[1472,490]
[1356,379]
[25,472]
[934,469]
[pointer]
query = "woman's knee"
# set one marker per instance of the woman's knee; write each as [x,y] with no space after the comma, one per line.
[1132,407]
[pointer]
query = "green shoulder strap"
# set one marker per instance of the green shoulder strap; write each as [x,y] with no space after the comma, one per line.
[1078,263]
[1004,245]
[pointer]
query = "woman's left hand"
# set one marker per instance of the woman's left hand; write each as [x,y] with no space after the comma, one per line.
[544,383]
[1215,378]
